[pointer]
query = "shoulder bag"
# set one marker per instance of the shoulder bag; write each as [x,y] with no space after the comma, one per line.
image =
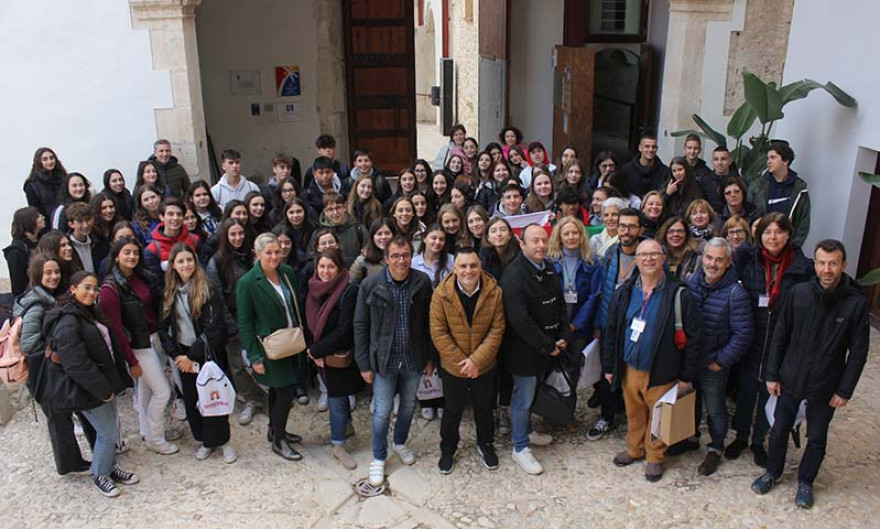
[288,341]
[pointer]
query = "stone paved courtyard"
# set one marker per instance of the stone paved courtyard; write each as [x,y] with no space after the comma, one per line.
[580,486]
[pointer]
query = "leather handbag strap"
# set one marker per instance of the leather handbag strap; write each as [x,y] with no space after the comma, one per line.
[299,321]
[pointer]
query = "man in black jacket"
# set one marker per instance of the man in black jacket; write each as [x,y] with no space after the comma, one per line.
[537,329]
[820,320]
[392,347]
[644,354]
[646,172]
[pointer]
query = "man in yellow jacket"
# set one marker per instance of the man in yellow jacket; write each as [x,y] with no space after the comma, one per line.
[467,327]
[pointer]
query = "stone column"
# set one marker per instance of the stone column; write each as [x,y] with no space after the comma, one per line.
[172,28]
[331,76]
[684,64]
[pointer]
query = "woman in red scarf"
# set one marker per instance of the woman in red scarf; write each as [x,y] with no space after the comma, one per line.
[767,271]
[330,316]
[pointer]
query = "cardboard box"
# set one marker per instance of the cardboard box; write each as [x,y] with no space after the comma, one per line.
[677,420]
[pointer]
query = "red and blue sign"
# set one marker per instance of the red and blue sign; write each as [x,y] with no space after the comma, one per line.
[287,81]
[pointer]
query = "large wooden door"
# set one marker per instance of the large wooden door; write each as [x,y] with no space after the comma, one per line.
[573,100]
[380,80]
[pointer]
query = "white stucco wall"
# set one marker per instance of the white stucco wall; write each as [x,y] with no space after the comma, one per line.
[833,143]
[536,28]
[78,80]
[258,35]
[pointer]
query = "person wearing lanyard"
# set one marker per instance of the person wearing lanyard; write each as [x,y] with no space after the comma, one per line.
[581,276]
[618,265]
[641,354]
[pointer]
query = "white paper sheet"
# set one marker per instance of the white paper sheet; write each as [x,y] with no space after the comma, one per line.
[592,370]
[670,397]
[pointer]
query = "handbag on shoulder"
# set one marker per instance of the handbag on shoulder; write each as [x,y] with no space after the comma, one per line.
[288,341]
[339,359]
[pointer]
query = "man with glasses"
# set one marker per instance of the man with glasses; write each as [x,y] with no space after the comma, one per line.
[392,347]
[618,265]
[644,352]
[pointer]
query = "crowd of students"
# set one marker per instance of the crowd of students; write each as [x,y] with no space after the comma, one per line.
[394,286]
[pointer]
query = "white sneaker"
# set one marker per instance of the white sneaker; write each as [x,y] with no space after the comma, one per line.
[323,403]
[353,403]
[527,461]
[540,439]
[178,410]
[377,473]
[77,427]
[247,414]
[229,455]
[163,447]
[407,457]
[428,414]
[203,452]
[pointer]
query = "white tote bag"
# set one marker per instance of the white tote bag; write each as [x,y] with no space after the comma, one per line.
[216,394]
[430,386]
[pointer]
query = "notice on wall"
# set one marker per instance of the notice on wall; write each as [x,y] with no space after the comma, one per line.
[244,82]
[287,111]
[287,81]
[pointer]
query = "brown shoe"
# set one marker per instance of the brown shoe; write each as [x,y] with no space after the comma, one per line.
[653,472]
[624,459]
[710,464]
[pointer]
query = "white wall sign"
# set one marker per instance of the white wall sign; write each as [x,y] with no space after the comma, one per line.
[244,82]
[289,111]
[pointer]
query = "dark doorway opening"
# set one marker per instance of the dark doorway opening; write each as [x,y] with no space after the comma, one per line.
[869,256]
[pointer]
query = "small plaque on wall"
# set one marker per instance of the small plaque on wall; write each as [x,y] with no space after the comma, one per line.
[289,111]
[287,81]
[244,82]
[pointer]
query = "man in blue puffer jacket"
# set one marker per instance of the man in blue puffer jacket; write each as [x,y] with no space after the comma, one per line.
[727,330]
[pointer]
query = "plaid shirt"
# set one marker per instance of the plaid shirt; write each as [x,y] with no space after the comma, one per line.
[400,354]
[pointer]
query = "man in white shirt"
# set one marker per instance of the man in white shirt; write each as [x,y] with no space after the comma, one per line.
[232,185]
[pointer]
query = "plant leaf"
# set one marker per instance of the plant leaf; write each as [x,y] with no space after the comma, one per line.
[838,94]
[741,121]
[871,278]
[753,166]
[764,98]
[873,179]
[680,133]
[741,155]
[798,90]
[711,133]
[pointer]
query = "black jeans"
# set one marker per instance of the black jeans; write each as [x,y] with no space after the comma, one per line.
[818,417]
[455,392]
[608,400]
[210,431]
[751,391]
[280,402]
[65,447]
[503,385]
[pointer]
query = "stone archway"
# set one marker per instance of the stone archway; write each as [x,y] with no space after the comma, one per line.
[171,25]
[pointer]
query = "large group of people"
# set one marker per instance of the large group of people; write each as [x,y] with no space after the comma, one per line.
[684,276]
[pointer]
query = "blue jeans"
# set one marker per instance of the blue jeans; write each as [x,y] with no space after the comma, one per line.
[340,415]
[713,386]
[406,383]
[521,410]
[103,419]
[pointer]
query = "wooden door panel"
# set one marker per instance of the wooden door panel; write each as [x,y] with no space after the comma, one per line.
[573,108]
[380,80]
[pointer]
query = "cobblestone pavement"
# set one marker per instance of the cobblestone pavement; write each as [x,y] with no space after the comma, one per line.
[580,486]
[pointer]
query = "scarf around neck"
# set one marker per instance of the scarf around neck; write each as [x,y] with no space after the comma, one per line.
[784,260]
[322,299]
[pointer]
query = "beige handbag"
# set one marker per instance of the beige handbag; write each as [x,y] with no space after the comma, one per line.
[288,341]
[339,360]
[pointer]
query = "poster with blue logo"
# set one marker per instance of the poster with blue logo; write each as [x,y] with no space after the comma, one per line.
[287,81]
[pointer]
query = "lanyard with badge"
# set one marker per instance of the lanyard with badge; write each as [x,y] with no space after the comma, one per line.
[570,293]
[638,324]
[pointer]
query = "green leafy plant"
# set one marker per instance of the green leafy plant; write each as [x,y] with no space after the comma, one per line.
[764,102]
[872,277]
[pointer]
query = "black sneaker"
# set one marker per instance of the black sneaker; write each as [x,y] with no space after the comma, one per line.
[593,402]
[446,463]
[760,455]
[126,478]
[107,487]
[488,455]
[763,484]
[804,496]
[709,465]
[82,469]
[735,448]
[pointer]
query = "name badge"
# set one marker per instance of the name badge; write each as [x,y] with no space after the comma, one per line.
[637,327]
[763,301]
[571,297]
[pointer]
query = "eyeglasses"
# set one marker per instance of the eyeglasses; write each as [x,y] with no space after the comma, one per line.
[675,231]
[649,255]
[399,256]
[628,227]
[730,192]
[737,232]
[331,209]
[606,166]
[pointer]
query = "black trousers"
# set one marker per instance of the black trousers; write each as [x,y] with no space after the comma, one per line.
[280,402]
[456,391]
[503,385]
[210,431]
[65,448]
[818,416]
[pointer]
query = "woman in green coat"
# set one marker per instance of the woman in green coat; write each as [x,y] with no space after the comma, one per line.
[266,302]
